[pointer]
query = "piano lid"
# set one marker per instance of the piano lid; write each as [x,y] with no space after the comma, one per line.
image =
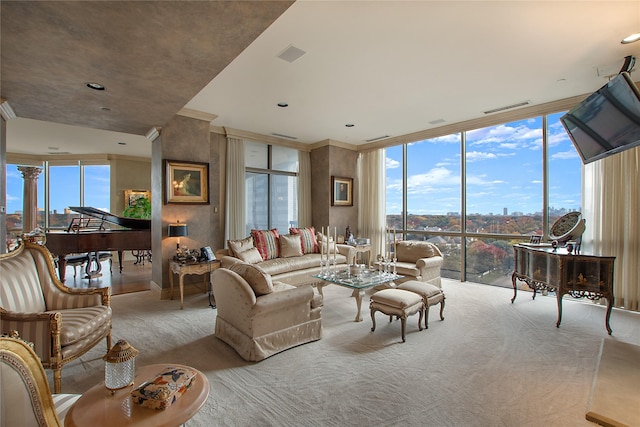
[134,223]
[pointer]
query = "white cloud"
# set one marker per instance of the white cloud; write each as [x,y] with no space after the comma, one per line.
[563,155]
[391,163]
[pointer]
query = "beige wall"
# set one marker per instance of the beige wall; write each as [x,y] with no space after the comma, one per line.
[127,174]
[326,162]
[190,140]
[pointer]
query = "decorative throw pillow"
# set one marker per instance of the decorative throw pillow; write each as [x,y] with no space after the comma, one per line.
[256,277]
[267,243]
[237,246]
[323,246]
[251,256]
[290,245]
[308,236]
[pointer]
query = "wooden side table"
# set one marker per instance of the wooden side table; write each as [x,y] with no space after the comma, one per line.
[199,268]
[98,407]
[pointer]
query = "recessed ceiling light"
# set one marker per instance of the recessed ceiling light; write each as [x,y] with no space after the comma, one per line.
[349,125]
[630,39]
[105,108]
[122,143]
[283,104]
[95,86]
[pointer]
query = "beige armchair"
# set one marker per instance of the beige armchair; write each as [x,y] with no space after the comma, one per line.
[25,398]
[61,322]
[418,260]
[258,317]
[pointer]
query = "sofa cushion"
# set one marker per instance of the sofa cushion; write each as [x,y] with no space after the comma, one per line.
[410,251]
[79,323]
[259,281]
[267,243]
[250,256]
[309,241]
[238,246]
[290,245]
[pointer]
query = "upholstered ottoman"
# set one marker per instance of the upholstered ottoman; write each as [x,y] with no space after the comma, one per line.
[396,302]
[431,295]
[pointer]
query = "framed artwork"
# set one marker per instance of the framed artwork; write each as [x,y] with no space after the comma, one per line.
[186,182]
[341,191]
[132,196]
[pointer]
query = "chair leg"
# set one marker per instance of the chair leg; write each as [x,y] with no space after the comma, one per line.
[57,380]
[442,309]
[426,316]
[403,322]
[373,319]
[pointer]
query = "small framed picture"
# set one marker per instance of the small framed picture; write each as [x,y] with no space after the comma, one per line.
[340,238]
[535,239]
[186,182]
[207,254]
[132,196]
[341,191]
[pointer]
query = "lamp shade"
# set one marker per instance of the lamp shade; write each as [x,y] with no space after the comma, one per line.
[177,230]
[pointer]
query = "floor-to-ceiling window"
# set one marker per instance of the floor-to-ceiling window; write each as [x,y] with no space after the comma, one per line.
[60,185]
[475,210]
[271,181]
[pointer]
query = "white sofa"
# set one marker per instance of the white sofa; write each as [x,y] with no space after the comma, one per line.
[291,265]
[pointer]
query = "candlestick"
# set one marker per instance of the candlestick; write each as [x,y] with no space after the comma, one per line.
[335,241]
[322,247]
[394,242]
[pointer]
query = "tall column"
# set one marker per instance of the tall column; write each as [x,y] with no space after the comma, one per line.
[30,199]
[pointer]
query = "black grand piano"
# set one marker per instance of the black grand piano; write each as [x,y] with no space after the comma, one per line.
[92,232]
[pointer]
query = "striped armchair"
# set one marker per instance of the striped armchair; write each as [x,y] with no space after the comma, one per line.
[61,322]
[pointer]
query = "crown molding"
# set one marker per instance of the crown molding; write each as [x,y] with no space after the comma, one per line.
[196,114]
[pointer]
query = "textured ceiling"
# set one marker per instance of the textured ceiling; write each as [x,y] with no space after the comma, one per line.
[388,67]
[152,57]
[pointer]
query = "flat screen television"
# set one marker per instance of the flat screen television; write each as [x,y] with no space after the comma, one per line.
[607,122]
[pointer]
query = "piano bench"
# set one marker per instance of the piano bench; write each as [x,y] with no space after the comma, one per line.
[77,260]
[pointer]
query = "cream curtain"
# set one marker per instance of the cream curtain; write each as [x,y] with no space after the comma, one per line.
[304,189]
[612,211]
[235,220]
[372,194]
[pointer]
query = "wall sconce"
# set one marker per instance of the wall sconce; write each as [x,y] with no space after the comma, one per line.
[177,230]
[119,366]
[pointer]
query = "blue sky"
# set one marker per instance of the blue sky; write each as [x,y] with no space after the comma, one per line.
[67,178]
[504,170]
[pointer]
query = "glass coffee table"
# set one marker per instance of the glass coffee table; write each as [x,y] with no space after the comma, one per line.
[357,279]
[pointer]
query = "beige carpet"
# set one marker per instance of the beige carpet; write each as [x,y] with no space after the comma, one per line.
[615,397]
[489,363]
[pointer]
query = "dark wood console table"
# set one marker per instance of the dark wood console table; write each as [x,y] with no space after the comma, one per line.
[579,275]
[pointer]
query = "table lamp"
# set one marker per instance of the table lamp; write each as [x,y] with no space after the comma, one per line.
[177,230]
[119,366]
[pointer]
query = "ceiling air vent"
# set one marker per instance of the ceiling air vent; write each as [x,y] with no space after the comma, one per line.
[377,139]
[284,136]
[508,107]
[291,53]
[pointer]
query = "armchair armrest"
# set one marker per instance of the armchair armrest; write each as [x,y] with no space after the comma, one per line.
[346,250]
[79,298]
[228,260]
[38,328]
[435,261]
[276,301]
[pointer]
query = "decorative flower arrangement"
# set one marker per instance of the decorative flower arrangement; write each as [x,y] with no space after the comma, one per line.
[185,255]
